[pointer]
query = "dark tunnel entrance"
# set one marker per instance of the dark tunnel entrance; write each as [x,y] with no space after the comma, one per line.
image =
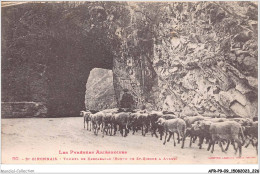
[67,85]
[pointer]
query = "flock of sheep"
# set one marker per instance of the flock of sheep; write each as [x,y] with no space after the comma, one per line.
[235,131]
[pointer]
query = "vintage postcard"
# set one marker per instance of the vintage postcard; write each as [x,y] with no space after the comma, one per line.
[123,82]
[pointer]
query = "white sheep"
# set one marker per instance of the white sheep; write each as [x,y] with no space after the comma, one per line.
[86,118]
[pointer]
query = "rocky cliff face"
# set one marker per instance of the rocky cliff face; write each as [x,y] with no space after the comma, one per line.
[186,57]
[206,58]
[198,57]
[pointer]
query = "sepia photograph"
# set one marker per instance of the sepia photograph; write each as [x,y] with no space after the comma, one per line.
[128,82]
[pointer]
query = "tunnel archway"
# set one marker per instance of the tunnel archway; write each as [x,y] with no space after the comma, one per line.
[66,94]
[100,92]
[49,60]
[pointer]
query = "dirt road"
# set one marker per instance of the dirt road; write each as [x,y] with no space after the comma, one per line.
[60,139]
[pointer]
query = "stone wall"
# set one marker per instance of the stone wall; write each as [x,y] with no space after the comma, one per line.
[23,109]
